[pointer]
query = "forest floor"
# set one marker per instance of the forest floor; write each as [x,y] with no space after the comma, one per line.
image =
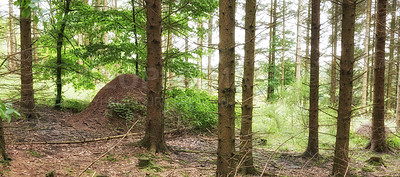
[50,145]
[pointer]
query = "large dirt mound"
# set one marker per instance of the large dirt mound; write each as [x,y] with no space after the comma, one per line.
[126,86]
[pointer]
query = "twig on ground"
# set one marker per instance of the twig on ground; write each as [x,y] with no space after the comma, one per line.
[112,147]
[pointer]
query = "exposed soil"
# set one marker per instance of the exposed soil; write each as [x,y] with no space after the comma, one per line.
[57,143]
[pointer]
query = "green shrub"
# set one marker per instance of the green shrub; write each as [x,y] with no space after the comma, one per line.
[74,105]
[127,108]
[393,141]
[7,112]
[193,107]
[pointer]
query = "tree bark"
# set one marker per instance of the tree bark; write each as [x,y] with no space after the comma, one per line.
[298,43]
[246,132]
[60,39]
[312,147]
[366,58]
[334,53]
[3,152]
[398,80]
[154,135]
[226,89]
[27,93]
[341,159]
[391,56]
[378,139]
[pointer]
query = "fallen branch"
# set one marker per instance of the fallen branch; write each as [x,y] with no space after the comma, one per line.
[92,140]
[109,149]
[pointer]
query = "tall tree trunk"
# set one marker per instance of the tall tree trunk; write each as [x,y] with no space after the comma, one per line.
[298,39]
[334,53]
[154,134]
[186,59]
[226,89]
[12,59]
[378,139]
[136,37]
[200,61]
[398,80]
[35,38]
[341,159]
[27,93]
[246,132]
[391,56]
[209,71]
[283,47]
[312,147]
[60,39]
[307,57]
[366,58]
[271,68]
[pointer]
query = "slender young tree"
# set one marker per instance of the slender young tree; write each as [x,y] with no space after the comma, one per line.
[378,139]
[210,31]
[283,47]
[341,159]
[307,56]
[298,38]
[27,93]
[391,56]
[246,132]
[12,43]
[312,147]
[60,39]
[271,62]
[226,89]
[154,135]
[186,59]
[334,52]
[366,57]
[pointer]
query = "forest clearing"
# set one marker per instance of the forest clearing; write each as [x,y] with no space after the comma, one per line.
[199,88]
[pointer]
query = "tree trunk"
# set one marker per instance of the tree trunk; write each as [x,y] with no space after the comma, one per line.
[334,53]
[298,43]
[186,59]
[398,80]
[226,89]
[341,159]
[200,62]
[35,38]
[307,57]
[12,59]
[154,135]
[209,71]
[60,38]
[136,37]
[283,48]
[378,139]
[3,152]
[271,68]
[27,93]
[391,56]
[246,133]
[366,58]
[312,147]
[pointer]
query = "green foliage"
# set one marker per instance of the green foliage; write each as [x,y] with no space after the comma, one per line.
[393,141]
[193,107]
[127,108]
[74,105]
[34,153]
[7,112]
